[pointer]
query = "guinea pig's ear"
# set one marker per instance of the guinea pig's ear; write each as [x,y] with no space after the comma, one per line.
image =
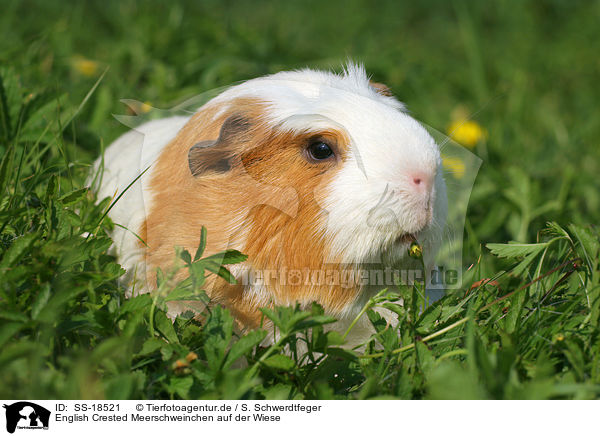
[216,156]
[381,89]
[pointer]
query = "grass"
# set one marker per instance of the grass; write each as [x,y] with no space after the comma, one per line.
[526,72]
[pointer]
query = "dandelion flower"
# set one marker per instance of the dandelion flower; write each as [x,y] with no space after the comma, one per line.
[145,107]
[415,250]
[466,132]
[85,67]
[138,107]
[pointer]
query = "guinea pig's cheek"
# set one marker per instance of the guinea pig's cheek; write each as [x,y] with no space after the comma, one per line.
[383,215]
[322,190]
[259,192]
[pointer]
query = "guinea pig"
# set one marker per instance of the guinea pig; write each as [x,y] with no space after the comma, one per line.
[311,174]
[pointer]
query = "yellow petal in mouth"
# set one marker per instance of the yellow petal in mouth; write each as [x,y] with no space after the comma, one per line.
[415,250]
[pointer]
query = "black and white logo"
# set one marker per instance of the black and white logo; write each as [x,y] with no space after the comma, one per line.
[26,415]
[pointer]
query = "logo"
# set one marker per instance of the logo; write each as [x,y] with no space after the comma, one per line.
[26,415]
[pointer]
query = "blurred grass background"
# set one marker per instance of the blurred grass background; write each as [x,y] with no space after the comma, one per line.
[526,72]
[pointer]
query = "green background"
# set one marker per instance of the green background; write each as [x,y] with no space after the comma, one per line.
[526,71]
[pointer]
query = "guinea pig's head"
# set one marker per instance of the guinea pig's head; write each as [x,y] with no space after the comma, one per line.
[367,176]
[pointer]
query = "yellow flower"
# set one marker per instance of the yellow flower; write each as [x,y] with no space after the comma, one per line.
[138,108]
[454,165]
[560,337]
[466,132]
[145,107]
[415,251]
[85,67]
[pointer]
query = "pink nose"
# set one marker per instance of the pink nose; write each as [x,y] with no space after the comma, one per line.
[421,181]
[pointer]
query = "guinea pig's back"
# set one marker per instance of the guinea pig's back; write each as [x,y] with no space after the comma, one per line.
[123,161]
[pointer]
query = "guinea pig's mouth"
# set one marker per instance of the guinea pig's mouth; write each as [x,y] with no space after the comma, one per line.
[406,238]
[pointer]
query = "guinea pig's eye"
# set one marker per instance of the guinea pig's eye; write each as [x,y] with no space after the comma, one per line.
[319,150]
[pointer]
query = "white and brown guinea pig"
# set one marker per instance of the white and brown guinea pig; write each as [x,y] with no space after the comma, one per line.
[303,171]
